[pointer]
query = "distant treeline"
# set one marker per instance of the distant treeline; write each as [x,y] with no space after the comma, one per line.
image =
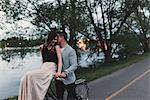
[20,42]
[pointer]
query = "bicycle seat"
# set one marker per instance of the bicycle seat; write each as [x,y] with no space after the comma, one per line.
[79,81]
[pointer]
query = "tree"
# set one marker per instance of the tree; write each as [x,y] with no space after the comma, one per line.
[139,23]
[114,14]
[126,44]
[69,15]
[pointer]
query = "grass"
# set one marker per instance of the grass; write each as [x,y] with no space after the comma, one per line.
[104,69]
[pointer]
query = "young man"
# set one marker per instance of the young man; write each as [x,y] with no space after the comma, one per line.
[69,60]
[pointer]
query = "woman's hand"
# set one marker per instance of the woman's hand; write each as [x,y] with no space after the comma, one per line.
[57,74]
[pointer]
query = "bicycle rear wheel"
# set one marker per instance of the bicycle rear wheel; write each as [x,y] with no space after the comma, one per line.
[82,90]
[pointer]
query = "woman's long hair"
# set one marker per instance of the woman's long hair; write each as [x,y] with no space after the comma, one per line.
[50,38]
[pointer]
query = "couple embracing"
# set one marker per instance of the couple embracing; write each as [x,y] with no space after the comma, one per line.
[59,59]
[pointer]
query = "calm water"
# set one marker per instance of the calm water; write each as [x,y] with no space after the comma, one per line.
[14,63]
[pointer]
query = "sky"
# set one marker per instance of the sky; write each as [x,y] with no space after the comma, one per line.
[18,26]
[22,24]
[6,27]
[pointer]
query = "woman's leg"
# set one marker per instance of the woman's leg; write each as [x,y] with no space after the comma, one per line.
[25,83]
[22,89]
[35,84]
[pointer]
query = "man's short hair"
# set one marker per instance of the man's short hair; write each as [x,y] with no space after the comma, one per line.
[63,34]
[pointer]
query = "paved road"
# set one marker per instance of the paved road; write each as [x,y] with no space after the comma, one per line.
[131,83]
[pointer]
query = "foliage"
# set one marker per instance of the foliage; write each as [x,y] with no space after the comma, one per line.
[139,23]
[114,14]
[130,46]
[108,19]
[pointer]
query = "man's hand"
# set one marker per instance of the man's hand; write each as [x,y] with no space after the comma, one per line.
[63,75]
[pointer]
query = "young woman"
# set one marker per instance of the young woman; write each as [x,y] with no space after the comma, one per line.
[34,84]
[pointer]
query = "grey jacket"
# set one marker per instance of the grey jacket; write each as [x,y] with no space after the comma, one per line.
[69,64]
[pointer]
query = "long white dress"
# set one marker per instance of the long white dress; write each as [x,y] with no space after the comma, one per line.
[34,84]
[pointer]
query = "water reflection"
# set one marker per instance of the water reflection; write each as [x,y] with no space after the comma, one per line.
[12,53]
[13,65]
[16,57]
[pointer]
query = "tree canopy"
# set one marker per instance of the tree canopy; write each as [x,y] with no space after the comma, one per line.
[117,25]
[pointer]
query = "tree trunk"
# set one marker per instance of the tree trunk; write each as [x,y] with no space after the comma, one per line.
[107,56]
[145,44]
[72,40]
[103,42]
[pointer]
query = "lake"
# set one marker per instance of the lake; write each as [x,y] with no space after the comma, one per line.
[15,62]
[13,65]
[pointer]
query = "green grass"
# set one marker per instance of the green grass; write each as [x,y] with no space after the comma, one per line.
[104,69]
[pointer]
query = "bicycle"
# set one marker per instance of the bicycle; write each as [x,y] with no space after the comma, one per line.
[50,95]
[82,91]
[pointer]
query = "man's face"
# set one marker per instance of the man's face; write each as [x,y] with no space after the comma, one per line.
[60,38]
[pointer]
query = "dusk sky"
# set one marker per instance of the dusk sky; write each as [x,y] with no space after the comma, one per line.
[22,24]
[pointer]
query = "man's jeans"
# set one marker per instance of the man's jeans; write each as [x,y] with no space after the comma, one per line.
[60,88]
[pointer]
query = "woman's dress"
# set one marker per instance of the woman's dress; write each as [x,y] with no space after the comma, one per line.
[34,84]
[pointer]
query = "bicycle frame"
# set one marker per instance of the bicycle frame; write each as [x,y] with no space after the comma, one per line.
[78,82]
[52,94]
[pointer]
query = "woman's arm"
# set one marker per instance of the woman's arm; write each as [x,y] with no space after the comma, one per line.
[59,56]
[41,47]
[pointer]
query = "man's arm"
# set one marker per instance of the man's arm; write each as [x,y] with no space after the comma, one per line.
[73,62]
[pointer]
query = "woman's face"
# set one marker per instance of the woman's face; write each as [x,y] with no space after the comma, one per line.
[55,40]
